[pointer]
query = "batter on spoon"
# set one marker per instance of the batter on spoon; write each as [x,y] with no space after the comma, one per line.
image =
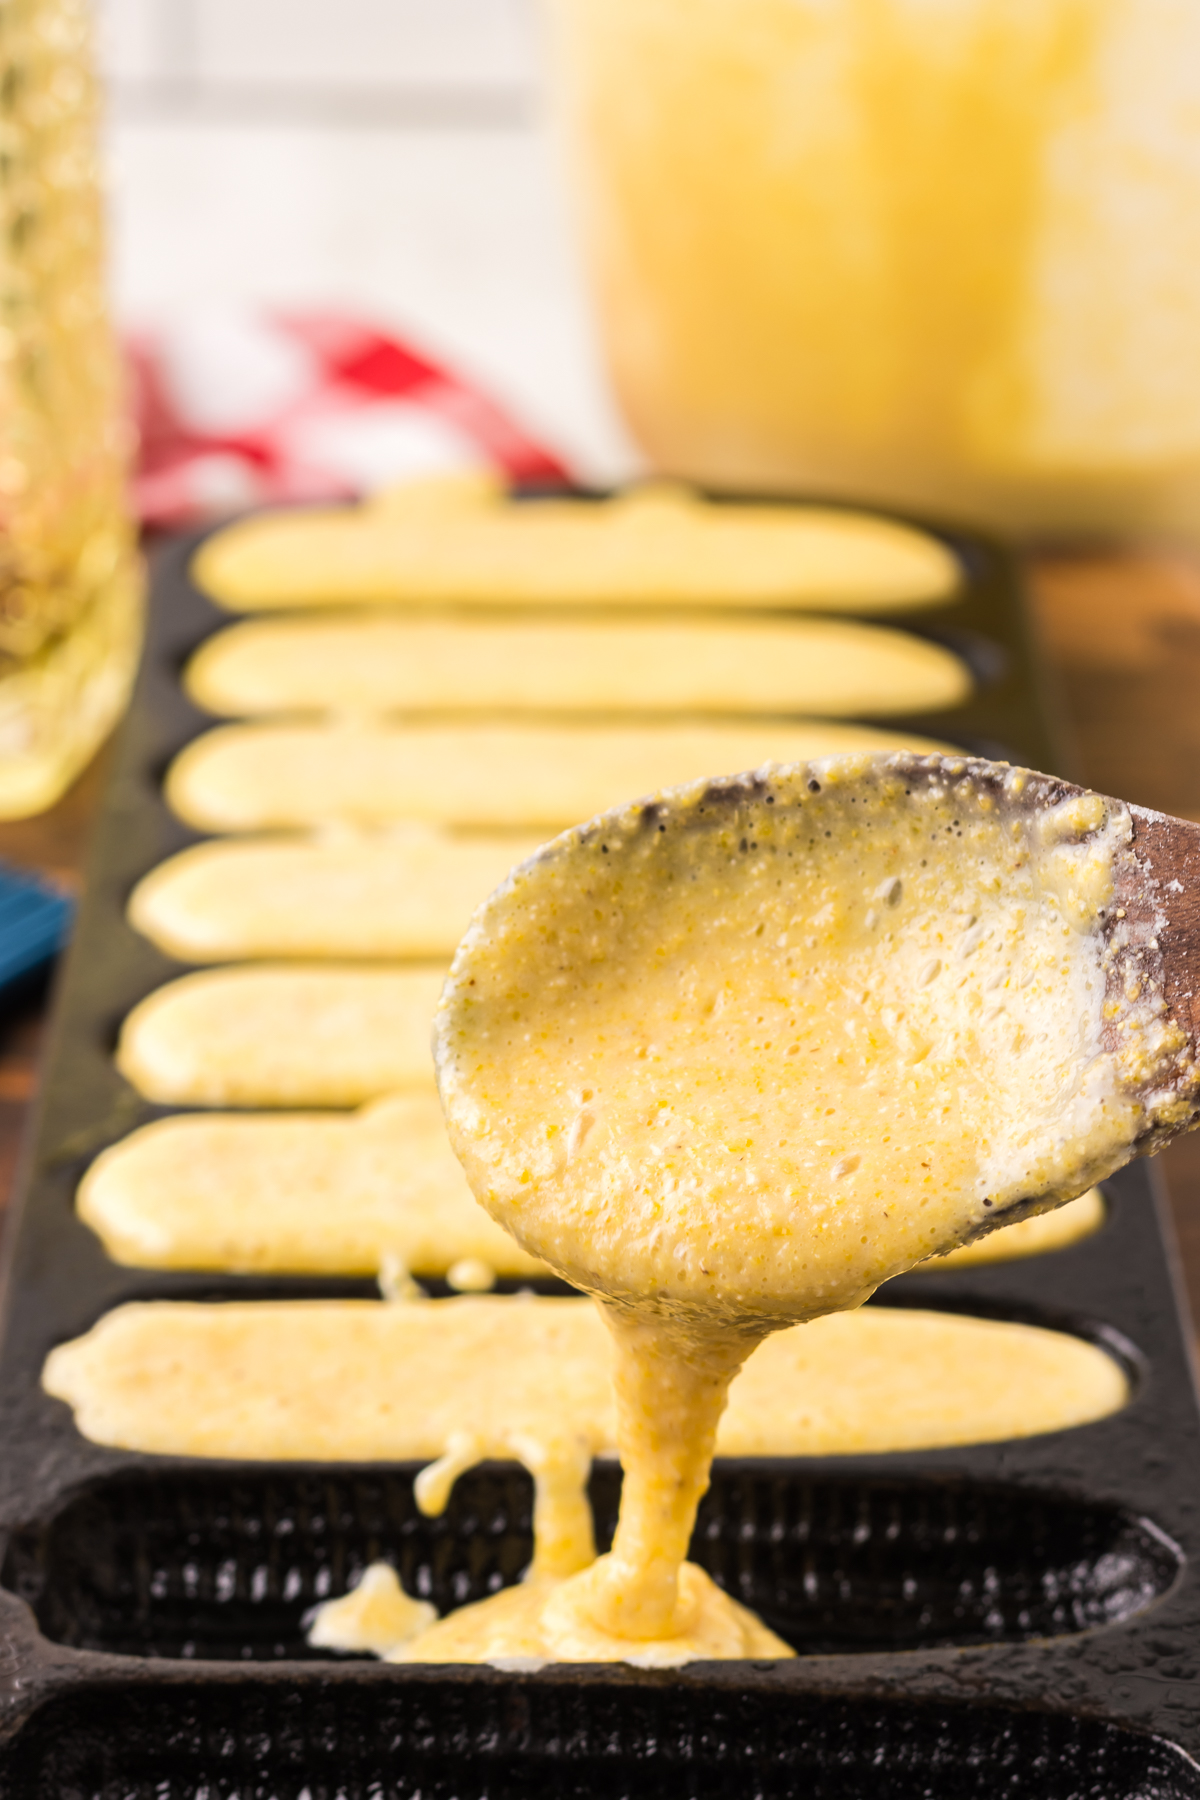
[731,1058]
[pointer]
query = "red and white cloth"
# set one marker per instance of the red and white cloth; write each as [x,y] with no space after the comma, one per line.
[236,410]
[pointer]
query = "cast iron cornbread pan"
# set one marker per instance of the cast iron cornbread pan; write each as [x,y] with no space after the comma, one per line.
[1019,1618]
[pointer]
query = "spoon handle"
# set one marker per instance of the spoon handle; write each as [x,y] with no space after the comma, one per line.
[1159,892]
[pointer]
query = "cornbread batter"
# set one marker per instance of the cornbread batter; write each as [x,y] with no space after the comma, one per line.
[312,1194]
[300,1193]
[396,664]
[869,957]
[409,894]
[280,1036]
[459,539]
[376,1615]
[532,1623]
[730,1059]
[463,1380]
[281,777]
[455,1381]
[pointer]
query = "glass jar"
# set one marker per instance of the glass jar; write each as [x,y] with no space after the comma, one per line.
[70,590]
[938,253]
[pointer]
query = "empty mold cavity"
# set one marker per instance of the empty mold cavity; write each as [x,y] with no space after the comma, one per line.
[495,1738]
[223,1563]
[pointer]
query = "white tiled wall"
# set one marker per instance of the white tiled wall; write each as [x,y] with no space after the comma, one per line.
[450,43]
[454,45]
[134,37]
[388,156]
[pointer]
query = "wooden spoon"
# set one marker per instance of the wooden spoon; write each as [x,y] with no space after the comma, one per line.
[1151,926]
[1029,987]
[1157,892]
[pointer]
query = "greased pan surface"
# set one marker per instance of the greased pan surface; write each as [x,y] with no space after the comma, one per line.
[1014,1617]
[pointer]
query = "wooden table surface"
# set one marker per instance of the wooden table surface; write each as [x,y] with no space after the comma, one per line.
[1121,635]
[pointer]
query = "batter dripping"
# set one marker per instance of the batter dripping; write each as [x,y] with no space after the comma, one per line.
[731,1059]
